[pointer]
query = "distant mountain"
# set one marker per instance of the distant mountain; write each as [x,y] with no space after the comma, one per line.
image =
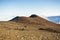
[55,19]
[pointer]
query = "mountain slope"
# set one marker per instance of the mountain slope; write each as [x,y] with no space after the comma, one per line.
[29,28]
[35,20]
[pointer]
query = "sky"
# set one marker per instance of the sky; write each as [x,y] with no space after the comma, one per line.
[11,8]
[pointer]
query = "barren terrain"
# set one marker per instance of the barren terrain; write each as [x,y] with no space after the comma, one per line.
[29,28]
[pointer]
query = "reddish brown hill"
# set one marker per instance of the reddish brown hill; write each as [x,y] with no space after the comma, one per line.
[46,23]
[39,22]
[43,21]
[25,20]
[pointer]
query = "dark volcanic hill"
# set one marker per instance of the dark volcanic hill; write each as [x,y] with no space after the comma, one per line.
[37,21]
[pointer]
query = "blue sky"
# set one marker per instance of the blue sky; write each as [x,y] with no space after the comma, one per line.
[44,8]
